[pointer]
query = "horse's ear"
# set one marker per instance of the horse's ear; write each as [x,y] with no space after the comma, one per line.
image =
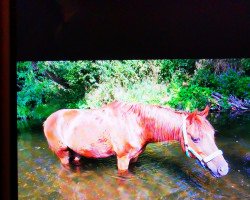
[191,117]
[205,112]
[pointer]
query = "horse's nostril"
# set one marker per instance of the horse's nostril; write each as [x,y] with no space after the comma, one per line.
[223,170]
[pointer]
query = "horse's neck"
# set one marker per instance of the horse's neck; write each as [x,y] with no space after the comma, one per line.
[161,124]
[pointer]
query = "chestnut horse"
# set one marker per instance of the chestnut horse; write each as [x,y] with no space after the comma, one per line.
[124,130]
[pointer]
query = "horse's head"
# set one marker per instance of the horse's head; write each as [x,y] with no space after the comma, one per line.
[199,143]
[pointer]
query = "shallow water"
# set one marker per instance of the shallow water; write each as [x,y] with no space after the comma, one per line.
[162,171]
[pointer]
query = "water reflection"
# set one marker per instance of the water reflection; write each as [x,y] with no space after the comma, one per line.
[162,171]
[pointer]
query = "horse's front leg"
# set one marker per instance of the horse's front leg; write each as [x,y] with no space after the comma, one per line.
[133,160]
[123,163]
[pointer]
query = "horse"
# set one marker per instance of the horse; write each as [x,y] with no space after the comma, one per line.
[124,130]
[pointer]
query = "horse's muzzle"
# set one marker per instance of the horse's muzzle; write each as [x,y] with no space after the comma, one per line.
[222,170]
[218,167]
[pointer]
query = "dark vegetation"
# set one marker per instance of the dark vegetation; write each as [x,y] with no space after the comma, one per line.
[46,86]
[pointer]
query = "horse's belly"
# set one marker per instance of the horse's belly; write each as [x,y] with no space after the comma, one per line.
[95,150]
[96,153]
[94,145]
[87,135]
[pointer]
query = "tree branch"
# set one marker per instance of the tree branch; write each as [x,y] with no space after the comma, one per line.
[52,76]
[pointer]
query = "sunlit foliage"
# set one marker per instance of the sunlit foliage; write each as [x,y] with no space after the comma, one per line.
[46,86]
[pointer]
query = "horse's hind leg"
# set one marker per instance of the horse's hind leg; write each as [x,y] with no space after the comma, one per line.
[133,160]
[63,155]
[75,158]
[55,142]
[66,156]
[60,149]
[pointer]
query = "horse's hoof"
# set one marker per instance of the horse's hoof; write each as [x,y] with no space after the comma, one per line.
[76,161]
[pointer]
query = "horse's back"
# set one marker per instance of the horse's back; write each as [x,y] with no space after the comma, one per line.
[52,121]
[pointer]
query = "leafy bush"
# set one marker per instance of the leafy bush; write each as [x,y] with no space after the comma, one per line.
[205,77]
[245,63]
[34,90]
[229,82]
[146,91]
[190,97]
[168,67]
[46,86]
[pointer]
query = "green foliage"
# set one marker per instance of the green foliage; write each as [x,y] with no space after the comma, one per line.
[188,97]
[119,79]
[169,67]
[194,97]
[205,77]
[230,82]
[46,86]
[243,89]
[144,92]
[245,63]
[79,77]
[34,90]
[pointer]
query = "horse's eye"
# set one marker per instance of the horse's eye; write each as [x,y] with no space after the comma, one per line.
[196,140]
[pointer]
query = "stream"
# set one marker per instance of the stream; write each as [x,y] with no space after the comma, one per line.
[161,172]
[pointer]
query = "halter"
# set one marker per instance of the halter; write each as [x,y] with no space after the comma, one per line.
[203,161]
